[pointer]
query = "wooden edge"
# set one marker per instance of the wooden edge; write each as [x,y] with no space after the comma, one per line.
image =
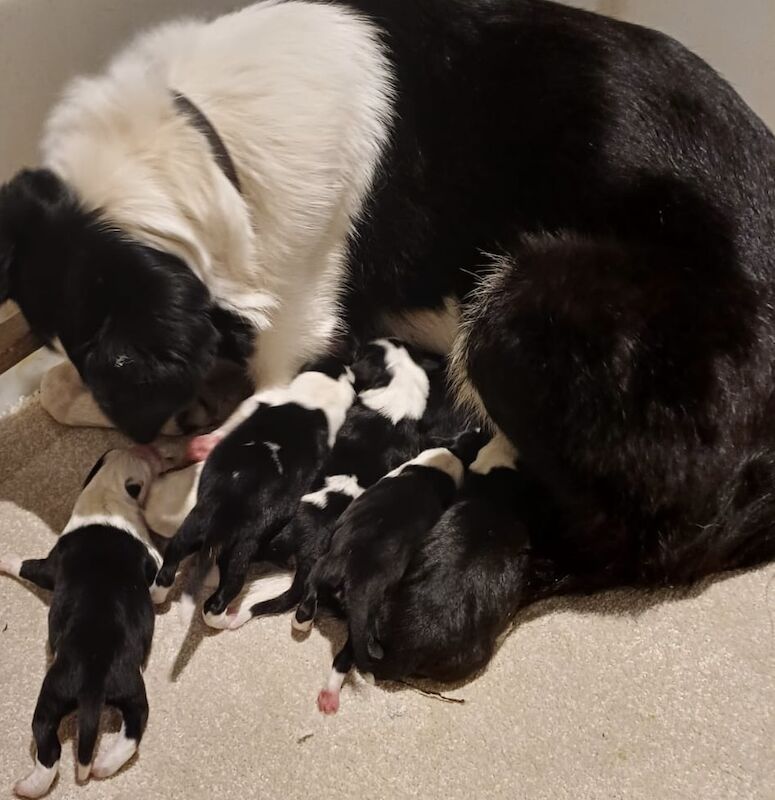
[16,341]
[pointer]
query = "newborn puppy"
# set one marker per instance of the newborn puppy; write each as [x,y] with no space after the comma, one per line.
[253,480]
[465,581]
[402,394]
[101,617]
[372,544]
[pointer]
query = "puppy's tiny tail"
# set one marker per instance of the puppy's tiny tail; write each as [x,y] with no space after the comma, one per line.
[90,704]
[283,602]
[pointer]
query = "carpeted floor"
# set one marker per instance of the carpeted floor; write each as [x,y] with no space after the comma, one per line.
[620,696]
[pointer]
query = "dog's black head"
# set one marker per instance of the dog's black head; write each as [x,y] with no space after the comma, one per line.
[134,321]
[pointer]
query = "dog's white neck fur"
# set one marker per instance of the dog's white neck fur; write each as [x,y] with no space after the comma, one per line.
[499,452]
[100,505]
[301,94]
[406,396]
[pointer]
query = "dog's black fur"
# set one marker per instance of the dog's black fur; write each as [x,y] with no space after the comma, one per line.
[368,446]
[139,327]
[373,542]
[101,623]
[465,582]
[249,490]
[624,342]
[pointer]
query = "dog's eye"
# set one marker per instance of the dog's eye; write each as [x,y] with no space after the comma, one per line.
[133,488]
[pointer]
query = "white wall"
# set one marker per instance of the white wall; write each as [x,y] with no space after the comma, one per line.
[736,36]
[43,43]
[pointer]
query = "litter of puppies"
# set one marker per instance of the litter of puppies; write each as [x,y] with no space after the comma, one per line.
[363,478]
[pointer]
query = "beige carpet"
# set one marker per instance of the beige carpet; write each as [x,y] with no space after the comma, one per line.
[621,696]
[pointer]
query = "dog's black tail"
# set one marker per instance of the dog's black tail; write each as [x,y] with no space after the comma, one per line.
[283,602]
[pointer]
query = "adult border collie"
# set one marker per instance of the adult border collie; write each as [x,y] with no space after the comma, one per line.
[594,200]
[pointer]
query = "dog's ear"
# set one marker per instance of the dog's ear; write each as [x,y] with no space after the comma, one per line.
[27,202]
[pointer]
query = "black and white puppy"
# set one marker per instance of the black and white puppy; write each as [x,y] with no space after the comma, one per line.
[253,480]
[371,547]
[101,618]
[402,399]
[466,579]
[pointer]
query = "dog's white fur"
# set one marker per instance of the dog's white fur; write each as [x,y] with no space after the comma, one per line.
[301,94]
[406,396]
[105,501]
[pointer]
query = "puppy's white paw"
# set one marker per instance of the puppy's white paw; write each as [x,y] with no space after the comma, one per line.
[302,627]
[110,760]
[220,622]
[38,782]
[159,594]
[11,565]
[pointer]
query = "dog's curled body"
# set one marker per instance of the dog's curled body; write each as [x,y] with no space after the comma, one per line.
[594,198]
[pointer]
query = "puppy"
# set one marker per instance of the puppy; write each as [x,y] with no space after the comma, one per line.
[101,618]
[372,544]
[465,581]
[402,400]
[253,481]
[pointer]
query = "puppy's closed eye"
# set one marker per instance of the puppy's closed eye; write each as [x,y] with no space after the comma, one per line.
[133,488]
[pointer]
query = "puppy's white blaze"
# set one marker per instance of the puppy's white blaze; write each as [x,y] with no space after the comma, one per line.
[406,396]
[499,452]
[266,588]
[82,772]
[436,458]
[38,782]
[11,565]
[302,627]
[159,594]
[343,484]
[312,84]
[274,450]
[118,752]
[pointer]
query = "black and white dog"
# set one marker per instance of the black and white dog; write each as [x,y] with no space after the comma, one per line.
[372,544]
[252,185]
[252,482]
[402,402]
[101,618]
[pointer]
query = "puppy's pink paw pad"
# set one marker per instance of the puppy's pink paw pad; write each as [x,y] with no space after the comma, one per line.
[328,702]
[200,447]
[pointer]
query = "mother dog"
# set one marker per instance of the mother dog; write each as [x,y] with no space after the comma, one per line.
[582,211]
